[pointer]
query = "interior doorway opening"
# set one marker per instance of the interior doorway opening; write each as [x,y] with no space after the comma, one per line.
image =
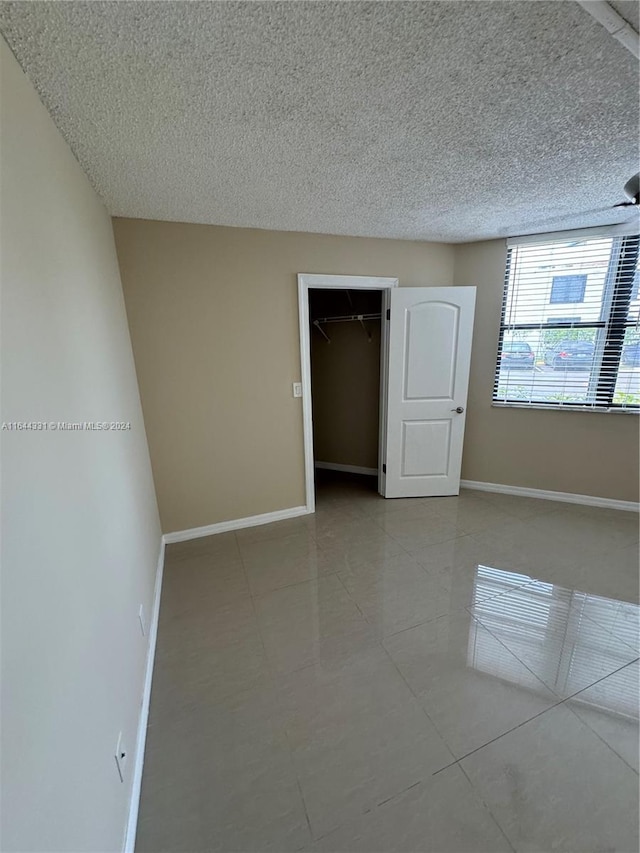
[425,356]
[308,282]
[345,328]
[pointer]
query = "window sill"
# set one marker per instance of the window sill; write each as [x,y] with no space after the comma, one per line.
[554,407]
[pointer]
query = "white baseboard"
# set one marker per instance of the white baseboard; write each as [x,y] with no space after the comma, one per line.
[235,524]
[565,497]
[350,469]
[136,784]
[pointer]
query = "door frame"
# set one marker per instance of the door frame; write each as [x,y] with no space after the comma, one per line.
[306,282]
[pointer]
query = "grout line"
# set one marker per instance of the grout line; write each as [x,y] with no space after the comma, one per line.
[593,731]
[378,641]
[539,714]
[488,808]
[535,675]
[368,810]
[315,579]
[274,677]
[589,686]
[498,737]
[302,799]
[420,705]
[399,794]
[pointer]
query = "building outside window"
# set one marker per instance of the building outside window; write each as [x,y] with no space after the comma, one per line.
[568,289]
[574,304]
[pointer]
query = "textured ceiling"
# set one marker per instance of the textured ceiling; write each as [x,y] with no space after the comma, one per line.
[629,10]
[423,120]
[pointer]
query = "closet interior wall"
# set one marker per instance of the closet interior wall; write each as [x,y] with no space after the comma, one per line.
[345,377]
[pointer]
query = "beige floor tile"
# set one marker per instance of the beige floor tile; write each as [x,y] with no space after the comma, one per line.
[196,584]
[523,508]
[589,529]
[407,507]
[270,552]
[341,533]
[310,622]
[220,545]
[547,629]
[415,534]
[620,618]
[276,563]
[344,555]
[552,784]
[616,576]
[471,514]
[471,570]
[535,551]
[468,552]
[289,570]
[213,655]
[274,703]
[358,736]
[221,778]
[610,709]
[440,815]
[302,524]
[395,594]
[470,685]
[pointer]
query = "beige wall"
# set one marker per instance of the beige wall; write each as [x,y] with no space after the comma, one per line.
[586,453]
[345,377]
[81,533]
[213,314]
[214,324]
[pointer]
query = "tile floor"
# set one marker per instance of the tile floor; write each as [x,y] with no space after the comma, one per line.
[440,674]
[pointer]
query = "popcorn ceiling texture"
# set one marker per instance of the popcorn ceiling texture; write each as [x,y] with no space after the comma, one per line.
[451,121]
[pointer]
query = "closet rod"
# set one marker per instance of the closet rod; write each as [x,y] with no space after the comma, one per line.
[347,318]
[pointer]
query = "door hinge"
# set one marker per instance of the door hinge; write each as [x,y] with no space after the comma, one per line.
[388,313]
[384,469]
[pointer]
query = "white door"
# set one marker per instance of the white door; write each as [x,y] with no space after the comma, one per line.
[428,377]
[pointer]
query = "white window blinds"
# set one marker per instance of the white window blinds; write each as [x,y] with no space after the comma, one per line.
[570,328]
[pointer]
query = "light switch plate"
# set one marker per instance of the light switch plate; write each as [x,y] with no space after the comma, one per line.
[297,389]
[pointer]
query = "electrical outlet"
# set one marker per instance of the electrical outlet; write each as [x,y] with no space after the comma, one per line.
[141,618]
[121,756]
[297,389]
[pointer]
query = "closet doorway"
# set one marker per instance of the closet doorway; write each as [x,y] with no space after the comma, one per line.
[425,354]
[345,335]
[344,344]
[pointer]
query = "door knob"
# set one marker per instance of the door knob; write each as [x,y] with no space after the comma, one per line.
[459,410]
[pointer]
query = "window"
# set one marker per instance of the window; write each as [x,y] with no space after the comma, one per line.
[568,288]
[588,361]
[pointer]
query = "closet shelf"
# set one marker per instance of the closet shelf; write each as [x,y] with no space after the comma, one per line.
[347,318]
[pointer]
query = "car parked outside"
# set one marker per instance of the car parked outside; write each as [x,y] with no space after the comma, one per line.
[517,355]
[570,355]
[631,354]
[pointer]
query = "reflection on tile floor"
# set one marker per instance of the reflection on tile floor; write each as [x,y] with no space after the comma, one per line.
[439,674]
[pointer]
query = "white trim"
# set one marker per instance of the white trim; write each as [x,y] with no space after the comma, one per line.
[384,394]
[622,229]
[346,282]
[543,494]
[134,802]
[331,282]
[350,469]
[235,524]
[559,407]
